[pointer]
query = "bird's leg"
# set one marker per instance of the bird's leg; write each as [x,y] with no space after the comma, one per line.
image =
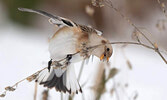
[49,65]
[62,63]
[68,58]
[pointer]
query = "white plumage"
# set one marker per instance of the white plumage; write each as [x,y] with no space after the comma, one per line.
[62,44]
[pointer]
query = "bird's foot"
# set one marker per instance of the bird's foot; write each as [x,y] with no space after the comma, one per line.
[68,58]
[49,65]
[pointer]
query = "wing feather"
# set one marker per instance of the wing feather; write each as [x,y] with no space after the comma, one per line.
[53,19]
[62,44]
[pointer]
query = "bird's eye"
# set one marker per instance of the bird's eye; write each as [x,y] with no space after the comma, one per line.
[108,49]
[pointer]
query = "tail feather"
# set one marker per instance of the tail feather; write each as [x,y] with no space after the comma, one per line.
[67,82]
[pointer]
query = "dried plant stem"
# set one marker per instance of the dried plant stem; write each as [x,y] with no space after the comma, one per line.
[16,84]
[109,3]
[45,94]
[35,91]
[99,86]
[162,5]
[153,48]
[135,43]
[27,77]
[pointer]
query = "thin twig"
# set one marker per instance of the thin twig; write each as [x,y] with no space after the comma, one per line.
[16,84]
[134,43]
[35,91]
[162,5]
[45,94]
[155,49]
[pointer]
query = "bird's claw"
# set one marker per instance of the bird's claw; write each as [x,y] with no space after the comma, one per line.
[68,58]
[49,65]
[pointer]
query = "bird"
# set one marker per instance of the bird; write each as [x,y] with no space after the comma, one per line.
[71,43]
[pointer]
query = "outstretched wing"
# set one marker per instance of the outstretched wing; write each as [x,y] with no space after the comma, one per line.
[59,21]
[53,19]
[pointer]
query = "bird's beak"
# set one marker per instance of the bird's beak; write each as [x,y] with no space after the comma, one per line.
[108,59]
[102,57]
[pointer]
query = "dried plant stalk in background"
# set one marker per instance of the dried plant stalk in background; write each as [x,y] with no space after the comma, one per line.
[97,3]
[45,95]
[163,7]
[89,10]
[35,91]
[99,86]
[101,80]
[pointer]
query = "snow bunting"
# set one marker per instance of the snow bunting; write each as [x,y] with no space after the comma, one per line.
[70,44]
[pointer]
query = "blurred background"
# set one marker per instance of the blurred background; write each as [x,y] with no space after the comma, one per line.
[134,72]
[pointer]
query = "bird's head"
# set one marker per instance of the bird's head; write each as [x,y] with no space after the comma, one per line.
[106,52]
[103,51]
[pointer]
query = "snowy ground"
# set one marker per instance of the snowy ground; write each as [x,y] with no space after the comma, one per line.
[23,54]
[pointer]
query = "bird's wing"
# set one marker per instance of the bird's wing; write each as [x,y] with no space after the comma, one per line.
[98,32]
[63,42]
[89,30]
[62,79]
[53,19]
[59,21]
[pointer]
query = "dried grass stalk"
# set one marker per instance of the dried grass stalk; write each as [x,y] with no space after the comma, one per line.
[45,95]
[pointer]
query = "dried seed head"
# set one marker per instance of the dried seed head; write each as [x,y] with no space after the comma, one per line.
[89,10]
[112,73]
[129,64]
[97,3]
[32,77]
[161,25]
[45,95]
[163,5]
[9,88]
[155,46]
[135,95]
[135,35]
[3,95]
